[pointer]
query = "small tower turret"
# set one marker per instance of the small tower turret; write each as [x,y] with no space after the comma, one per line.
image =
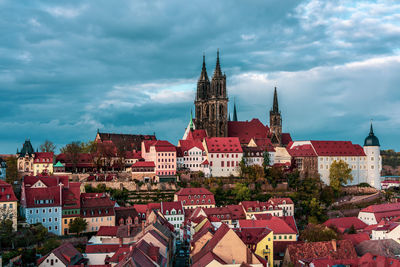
[275,122]
[372,151]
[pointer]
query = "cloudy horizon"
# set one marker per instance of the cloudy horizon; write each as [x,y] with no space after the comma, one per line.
[70,68]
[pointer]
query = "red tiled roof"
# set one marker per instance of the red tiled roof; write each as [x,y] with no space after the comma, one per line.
[47,180]
[32,195]
[6,192]
[251,236]
[382,207]
[291,222]
[44,157]
[139,164]
[280,200]
[107,231]
[199,134]
[119,254]
[85,160]
[169,206]
[356,238]
[247,130]
[312,250]
[160,146]
[302,151]
[184,194]
[223,145]
[337,148]
[71,196]
[186,145]
[106,248]
[276,224]
[237,212]
[262,206]
[96,204]
[264,144]
[345,223]
[369,259]
[193,191]
[65,253]
[205,162]
[140,208]
[286,139]
[153,206]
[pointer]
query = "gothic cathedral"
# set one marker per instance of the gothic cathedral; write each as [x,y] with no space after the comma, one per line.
[212,102]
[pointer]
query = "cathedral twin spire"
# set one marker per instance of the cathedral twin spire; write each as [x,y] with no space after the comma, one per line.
[217,86]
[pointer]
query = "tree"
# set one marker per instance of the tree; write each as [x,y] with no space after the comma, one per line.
[72,152]
[47,146]
[241,192]
[339,175]
[6,233]
[352,230]
[12,170]
[292,179]
[317,233]
[49,245]
[89,147]
[77,225]
[267,160]
[327,195]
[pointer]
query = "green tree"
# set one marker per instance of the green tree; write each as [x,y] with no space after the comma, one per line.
[352,230]
[242,168]
[88,147]
[339,175]
[72,152]
[292,179]
[77,225]
[241,192]
[267,160]
[47,146]
[317,233]
[6,233]
[12,170]
[49,245]
[327,195]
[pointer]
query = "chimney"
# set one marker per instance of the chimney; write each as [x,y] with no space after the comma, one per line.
[249,256]
[334,245]
[130,248]
[120,242]
[142,227]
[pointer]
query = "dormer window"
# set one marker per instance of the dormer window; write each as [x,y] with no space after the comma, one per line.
[179,211]
[189,196]
[166,212]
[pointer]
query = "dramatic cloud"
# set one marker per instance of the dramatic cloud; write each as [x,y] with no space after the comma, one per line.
[70,68]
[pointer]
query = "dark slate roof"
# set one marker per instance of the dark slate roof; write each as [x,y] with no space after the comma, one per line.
[133,140]
[27,148]
[371,139]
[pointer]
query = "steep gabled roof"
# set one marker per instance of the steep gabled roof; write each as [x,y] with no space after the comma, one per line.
[6,192]
[336,148]
[247,130]
[223,145]
[345,223]
[65,253]
[276,224]
[199,135]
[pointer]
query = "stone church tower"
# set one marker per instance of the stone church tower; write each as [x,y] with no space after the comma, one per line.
[275,122]
[212,102]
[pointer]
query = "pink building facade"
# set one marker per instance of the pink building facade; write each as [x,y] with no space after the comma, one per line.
[163,154]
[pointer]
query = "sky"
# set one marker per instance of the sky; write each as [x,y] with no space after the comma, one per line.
[68,68]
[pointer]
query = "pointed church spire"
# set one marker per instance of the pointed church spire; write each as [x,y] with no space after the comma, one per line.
[217,71]
[229,116]
[275,107]
[203,75]
[234,111]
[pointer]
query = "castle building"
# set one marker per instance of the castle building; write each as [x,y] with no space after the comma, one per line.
[212,102]
[317,157]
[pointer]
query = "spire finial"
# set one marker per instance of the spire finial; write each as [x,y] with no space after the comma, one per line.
[234,110]
[371,130]
[191,120]
[217,71]
[275,106]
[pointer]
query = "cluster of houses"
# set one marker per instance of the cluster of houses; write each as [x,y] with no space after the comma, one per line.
[251,233]
[147,159]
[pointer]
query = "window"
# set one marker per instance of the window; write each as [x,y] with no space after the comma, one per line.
[222,164]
